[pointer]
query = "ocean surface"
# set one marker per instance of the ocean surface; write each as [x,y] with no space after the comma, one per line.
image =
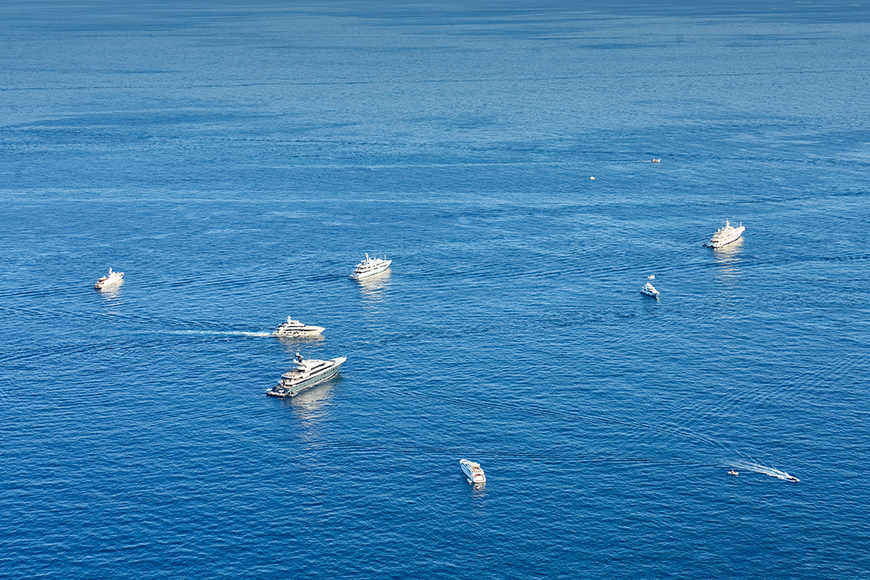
[236,160]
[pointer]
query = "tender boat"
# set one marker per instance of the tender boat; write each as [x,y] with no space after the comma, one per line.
[109,279]
[370,267]
[649,289]
[732,472]
[296,328]
[472,471]
[726,235]
[305,374]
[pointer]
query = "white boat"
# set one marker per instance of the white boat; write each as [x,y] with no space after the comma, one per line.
[370,267]
[792,478]
[732,472]
[649,289]
[472,471]
[726,235]
[296,328]
[305,374]
[109,279]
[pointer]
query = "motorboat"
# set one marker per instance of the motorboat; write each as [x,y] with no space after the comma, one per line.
[726,235]
[295,328]
[472,471]
[792,478]
[656,161]
[370,267]
[732,472]
[109,279]
[305,374]
[649,289]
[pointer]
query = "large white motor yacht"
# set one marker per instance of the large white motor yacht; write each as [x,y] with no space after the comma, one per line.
[109,279]
[726,235]
[305,374]
[649,289]
[296,328]
[370,267]
[472,471]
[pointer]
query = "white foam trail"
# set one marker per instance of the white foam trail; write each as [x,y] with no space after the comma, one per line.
[219,333]
[764,470]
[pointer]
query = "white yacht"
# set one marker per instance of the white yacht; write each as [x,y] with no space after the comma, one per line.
[109,279]
[370,267]
[649,289]
[726,235]
[295,328]
[305,374]
[472,471]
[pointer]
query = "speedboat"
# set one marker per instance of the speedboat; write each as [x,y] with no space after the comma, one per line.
[649,289]
[109,279]
[305,374]
[732,472]
[370,267]
[472,471]
[296,328]
[726,235]
[656,161]
[792,478]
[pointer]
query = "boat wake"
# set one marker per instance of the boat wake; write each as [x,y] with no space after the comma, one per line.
[771,471]
[218,333]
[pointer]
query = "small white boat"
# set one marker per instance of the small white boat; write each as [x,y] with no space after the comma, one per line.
[305,374]
[472,471]
[726,235]
[649,289]
[370,267]
[109,279]
[296,328]
[732,472]
[656,161]
[792,478]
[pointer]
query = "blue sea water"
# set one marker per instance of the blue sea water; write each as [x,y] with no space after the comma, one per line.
[236,159]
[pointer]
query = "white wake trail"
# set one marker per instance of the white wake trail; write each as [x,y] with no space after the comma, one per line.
[764,470]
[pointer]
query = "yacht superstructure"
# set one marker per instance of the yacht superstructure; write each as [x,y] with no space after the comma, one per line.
[649,289]
[472,471]
[109,279]
[305,374]
[370,267]
[726,235]
[295,328]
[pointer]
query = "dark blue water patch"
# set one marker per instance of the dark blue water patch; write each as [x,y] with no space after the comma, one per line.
[236,162]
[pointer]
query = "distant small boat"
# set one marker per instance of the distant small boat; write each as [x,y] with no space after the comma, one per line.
[725,235]
[792,478]
[472,471]
[649,289]
[732,472]
[296,328]
[109,279]
[370,267]
[656,161]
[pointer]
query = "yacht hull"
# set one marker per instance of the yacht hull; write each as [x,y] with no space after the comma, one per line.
[726,235]
[283,392]
[361,275]
[104,283]
[293,333]
[473,472]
